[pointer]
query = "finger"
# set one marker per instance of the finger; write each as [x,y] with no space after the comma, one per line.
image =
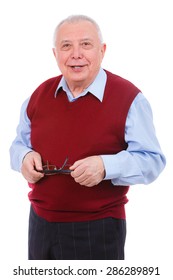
[88,179]
[78,174]
[88,182]
[76,164]
[38,163]
[34,176]
[78,171]
[79,179]
[82,176]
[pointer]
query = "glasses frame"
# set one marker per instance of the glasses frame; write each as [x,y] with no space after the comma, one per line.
[50,169]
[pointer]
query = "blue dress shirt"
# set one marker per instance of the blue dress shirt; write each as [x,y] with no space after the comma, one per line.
[141,163]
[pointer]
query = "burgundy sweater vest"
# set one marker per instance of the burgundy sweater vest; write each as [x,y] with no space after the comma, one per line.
[76,130]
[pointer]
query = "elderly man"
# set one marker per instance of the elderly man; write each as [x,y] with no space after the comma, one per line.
[83,138]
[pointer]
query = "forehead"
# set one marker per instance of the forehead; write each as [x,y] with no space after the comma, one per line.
[77,31]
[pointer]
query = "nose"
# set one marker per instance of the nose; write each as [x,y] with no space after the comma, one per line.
[76,52]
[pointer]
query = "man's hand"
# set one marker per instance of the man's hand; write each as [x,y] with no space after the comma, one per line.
[88,171]
[32,161]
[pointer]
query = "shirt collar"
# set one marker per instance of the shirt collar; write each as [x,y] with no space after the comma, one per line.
[96,88]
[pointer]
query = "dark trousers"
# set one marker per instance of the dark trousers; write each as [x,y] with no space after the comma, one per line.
[102,239]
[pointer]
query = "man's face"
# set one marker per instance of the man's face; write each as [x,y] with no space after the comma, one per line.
[78,52]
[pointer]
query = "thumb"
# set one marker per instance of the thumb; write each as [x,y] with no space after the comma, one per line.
[75,165]
[38,162]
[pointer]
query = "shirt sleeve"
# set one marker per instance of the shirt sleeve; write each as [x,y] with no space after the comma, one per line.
[22,143]
[143,160]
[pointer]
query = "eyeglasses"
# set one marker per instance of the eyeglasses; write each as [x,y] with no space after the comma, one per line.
[50,169]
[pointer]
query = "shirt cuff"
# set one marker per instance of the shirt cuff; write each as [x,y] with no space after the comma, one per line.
[21,157]
[112,170]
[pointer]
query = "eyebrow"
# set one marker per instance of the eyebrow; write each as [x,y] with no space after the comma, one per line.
[81,40]
[65,41]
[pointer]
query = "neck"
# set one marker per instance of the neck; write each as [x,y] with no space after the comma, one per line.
[78,87]
[76,91]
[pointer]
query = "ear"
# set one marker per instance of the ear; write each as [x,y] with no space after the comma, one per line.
[103,49]
[54,52]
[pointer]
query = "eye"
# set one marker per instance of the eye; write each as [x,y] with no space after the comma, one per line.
[66,46]
[86,45]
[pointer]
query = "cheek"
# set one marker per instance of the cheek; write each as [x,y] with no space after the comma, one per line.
[62,64]
[96,60]
[97,56]
[62,58]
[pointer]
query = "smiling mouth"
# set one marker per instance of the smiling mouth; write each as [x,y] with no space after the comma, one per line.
[77,66]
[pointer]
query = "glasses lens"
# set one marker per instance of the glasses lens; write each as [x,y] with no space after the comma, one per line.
[49,167]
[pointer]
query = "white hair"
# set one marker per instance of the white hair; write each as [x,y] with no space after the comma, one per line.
[78,18]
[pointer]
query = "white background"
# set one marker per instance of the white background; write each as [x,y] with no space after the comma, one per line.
[139,48]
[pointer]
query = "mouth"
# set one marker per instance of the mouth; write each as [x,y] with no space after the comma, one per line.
[77,68]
